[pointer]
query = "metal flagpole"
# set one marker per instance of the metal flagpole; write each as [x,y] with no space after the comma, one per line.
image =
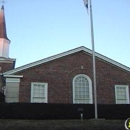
[3,1]
[94,64]
[89,6]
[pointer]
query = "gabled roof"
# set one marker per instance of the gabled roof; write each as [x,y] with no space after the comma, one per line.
[82,48]
[3,33]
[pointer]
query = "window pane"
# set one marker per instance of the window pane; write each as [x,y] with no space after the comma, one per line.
[81,90]
[39,92]
[121,94]
[39,100]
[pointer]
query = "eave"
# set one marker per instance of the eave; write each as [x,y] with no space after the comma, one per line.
[82,48]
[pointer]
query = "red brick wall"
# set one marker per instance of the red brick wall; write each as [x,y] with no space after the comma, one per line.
[6,67]
[59,75]
[3,68]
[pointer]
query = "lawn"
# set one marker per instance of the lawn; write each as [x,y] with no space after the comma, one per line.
[99,124]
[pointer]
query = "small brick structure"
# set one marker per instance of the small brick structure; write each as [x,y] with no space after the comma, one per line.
[6,64]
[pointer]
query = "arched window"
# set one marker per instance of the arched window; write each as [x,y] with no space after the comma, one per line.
[82,89]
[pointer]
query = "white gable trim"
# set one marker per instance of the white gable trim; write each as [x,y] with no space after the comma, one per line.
[7,60]
[82,48]
[13,76]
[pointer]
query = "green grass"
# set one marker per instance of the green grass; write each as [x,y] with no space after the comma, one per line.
[62,124]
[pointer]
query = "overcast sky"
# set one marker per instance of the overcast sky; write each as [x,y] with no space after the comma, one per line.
[42,28]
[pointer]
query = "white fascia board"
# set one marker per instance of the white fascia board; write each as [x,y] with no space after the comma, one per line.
[45,60]
[112,62]
[13,76]
[7,60]
[82,48]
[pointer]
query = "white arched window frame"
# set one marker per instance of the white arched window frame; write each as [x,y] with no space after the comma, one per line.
[82,89]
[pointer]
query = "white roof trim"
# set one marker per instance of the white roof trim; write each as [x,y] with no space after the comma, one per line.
[13,76]
[82,48]
[7,60]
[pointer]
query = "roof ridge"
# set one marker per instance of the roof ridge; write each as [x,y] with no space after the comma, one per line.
[82,48]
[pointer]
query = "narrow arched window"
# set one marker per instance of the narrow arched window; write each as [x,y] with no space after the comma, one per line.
[82,89]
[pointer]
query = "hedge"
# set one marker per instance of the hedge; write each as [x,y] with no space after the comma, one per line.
[2,97]
[61,111]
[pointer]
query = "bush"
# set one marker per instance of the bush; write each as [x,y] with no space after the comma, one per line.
[115,111]
[2,97]
[61,111]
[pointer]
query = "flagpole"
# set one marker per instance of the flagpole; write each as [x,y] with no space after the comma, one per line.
[94,64]
[88,5]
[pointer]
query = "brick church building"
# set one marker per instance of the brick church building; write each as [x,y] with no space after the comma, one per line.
[63,78]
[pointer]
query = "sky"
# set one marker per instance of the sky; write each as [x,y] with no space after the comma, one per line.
[42,28]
